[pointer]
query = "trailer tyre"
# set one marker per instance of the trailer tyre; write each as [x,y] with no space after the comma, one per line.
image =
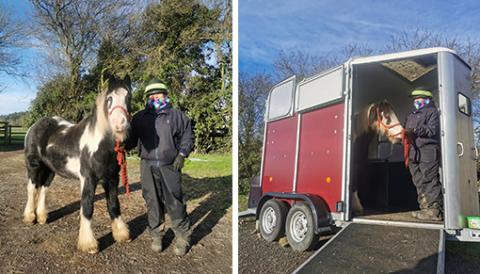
[300,228]
[272,219]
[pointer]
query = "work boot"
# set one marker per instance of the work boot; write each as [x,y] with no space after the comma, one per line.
[182,243]
[157,237]
[433,213]
[423,204]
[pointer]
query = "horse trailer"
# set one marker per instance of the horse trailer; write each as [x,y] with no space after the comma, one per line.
[309,154]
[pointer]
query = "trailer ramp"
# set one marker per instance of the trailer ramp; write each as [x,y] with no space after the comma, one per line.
[372,248]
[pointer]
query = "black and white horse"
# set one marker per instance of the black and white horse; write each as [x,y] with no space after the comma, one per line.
[83,151]
[377,118]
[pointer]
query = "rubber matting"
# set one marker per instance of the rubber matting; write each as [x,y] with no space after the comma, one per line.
[364,248]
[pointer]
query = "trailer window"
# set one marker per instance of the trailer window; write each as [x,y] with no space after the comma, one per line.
[281,100]
[464,105]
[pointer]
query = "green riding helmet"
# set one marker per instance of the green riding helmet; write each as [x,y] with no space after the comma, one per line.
[421,92]
[155,86]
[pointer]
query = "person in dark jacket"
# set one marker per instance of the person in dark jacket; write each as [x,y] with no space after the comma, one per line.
[423,129]
[164,136]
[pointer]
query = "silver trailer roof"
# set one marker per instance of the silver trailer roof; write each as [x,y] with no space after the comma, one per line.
[402,55]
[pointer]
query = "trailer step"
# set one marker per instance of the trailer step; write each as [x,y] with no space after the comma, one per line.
[368,248]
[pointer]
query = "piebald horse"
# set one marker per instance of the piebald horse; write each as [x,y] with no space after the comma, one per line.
[375,119]
[83,151]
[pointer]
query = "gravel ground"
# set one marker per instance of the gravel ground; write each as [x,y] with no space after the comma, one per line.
[259,256]
[51,248]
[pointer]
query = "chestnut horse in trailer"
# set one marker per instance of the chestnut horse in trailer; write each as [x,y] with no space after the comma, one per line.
[83,151]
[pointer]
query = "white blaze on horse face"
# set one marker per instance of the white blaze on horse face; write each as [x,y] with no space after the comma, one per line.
[117,117]
[394,133]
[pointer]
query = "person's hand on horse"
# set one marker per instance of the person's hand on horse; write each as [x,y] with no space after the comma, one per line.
[409,132]
[178,162]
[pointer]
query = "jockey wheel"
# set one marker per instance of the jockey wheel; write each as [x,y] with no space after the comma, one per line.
[272,219]
[300,228]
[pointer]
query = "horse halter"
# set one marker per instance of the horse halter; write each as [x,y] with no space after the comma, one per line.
[387,127]
[121,108]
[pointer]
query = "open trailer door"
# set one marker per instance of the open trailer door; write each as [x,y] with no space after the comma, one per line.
[458,149]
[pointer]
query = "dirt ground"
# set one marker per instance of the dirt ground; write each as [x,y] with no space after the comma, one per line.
[255,255]
[51,248]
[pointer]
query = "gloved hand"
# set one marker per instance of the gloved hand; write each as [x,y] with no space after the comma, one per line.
[409,132]
[178,162]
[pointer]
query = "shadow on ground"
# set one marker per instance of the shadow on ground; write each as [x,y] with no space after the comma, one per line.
[213,196]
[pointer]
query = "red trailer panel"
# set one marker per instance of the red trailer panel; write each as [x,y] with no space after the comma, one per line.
[279,158]
[321,154]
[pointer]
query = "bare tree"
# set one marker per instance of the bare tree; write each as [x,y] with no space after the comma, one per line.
[70,32]
[12,36]
[303,64]
[253,91]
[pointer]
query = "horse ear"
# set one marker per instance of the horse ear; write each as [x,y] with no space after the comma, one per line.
[127,80]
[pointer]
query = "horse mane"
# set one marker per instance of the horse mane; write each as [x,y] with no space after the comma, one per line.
[99,119]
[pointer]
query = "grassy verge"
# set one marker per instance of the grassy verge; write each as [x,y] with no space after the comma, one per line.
[200,165]
[242,202]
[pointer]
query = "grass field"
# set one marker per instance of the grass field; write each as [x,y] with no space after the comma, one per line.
[16,141]
[199,166]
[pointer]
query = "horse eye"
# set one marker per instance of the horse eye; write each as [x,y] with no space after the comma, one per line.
[109,101]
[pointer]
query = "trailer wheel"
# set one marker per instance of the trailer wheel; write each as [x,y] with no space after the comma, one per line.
[272,219]
[300,228]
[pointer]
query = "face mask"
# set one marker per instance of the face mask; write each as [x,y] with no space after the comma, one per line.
[420,102]
[158,104]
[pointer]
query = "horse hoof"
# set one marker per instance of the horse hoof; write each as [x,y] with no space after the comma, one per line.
[29,218]
[42,218]
[91,248]
[122,238]
[120,231]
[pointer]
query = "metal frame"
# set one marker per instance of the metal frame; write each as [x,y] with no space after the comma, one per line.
[405,54]
[448,137]
[360,220]
[297,148]
[347,143]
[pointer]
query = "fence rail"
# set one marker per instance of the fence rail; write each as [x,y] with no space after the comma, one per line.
[7,131]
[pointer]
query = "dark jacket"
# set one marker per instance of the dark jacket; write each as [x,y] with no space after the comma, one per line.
[161,136]
[425,124]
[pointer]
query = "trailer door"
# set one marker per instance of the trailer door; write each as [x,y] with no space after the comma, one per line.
[458,148]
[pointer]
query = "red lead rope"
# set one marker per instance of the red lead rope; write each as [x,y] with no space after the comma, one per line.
[122,162]
[406,147]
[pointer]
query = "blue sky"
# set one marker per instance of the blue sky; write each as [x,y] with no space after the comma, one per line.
[17,93]
[326,27]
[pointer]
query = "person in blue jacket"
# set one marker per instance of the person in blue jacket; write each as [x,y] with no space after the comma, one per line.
[164,136]
[423,128]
